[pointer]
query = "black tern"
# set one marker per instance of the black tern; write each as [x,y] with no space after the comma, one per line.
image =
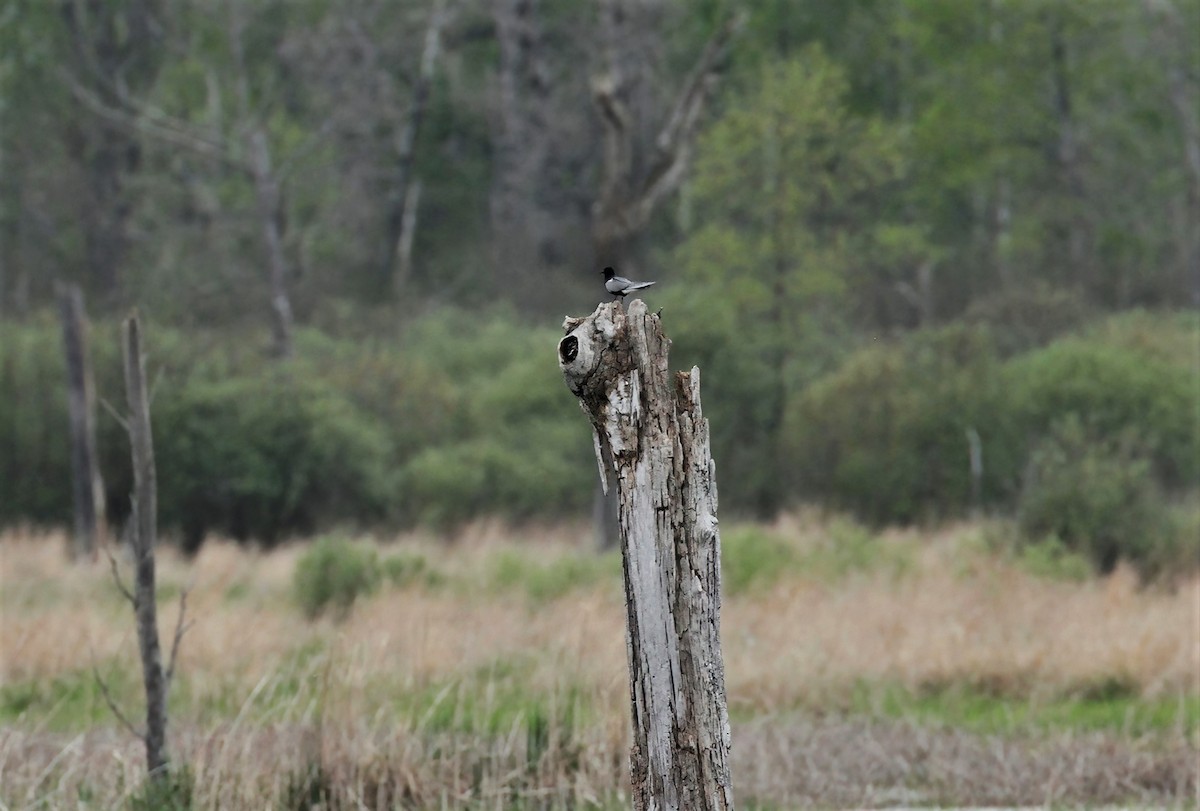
[620,286]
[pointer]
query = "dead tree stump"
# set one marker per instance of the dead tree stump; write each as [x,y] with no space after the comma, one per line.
[649,423]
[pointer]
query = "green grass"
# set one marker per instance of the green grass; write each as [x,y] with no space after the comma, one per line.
[495,700]
[72,700]
[1108,706]
[753,558]
[543,582]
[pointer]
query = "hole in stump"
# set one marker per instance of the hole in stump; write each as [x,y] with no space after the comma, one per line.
[568,348]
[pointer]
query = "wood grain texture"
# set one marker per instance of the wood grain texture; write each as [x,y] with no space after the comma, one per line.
[651,425]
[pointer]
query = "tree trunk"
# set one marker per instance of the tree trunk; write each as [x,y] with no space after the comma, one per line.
[651,424]
[87,489]
[522,142]
[401,216]
[145,531]
[266,187]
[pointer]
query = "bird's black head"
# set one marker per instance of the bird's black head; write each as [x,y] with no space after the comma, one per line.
[608,273]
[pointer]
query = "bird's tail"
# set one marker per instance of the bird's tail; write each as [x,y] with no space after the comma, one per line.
[638,286]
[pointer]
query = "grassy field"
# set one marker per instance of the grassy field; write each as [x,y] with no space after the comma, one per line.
[863,670]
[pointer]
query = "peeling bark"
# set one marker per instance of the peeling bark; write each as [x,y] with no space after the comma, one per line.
[650,424]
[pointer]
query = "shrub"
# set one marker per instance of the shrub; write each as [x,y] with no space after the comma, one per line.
[885,435]
[333,574]
[547,581]
[1112,389]
[753,557]
[1095,495]
[404,568]
[265,456]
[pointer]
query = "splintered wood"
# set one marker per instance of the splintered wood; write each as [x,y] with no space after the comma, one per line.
[652,438]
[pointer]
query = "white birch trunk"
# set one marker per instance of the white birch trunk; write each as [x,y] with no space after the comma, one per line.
[651,423]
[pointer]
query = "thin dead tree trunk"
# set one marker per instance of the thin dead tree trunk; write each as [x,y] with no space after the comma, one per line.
[267,194]
[401,218]
[87,488]
[651,423]
[145,531]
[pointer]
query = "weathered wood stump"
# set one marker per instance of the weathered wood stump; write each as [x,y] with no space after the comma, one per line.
[650,433]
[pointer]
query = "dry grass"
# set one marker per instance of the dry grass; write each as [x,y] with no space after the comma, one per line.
[471,694]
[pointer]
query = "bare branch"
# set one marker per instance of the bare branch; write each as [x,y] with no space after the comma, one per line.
[124,423]
[181,628]
[618,214]
[667,172]
[112,704]
[161,129]
[116,575]
[691,100]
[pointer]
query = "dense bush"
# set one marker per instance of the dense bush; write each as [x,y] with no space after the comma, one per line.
[332,574]
[263,456]
[886,435]
[1112,388]
[1097,496]
[520,446]
[456,416]
[34,457]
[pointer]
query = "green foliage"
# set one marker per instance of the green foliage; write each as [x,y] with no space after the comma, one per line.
[543,581]
[1096,495]
[520,446]
[258,457]
[1053,559]
[1111,389]
[753,558]
[886,435]
[69,700]
[405,568]
[781,184]
[34,460]
[456,417]
[1110,704]
[332,574]
[498,699]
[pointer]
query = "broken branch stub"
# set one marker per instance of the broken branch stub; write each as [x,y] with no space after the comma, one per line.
[650,425]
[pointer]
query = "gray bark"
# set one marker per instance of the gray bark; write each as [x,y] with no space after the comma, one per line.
[270,204]
[268,193]
[402,219]
[522,139]
[87,487]
[651,423]
[144,536]
[627,199]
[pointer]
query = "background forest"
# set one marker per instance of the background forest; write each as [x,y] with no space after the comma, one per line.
[886,231]
[939,263]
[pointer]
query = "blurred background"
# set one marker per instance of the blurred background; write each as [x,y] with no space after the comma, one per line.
[939,263]
[891,232]
[934,258]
